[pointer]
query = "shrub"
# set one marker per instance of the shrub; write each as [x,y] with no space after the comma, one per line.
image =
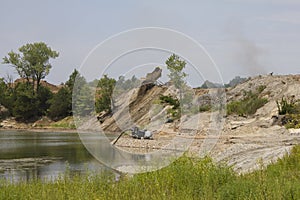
[205,108]
[249,104]
[170,101]
[175,110]
[291,109]
[288,106]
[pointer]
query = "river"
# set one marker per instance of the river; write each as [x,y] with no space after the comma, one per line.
[46,155]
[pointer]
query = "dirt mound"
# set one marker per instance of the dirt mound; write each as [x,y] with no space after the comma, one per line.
[246,143]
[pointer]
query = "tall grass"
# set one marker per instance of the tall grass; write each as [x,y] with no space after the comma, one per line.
[290,107]
[187,178]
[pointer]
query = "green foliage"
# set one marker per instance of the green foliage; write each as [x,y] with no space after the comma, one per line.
[175,66]
[82,97]
[61,104]
[205,108]
[174,111]
[288,106]
[261,88]
[7,96]
[25,102]
[32,62]
[291,109]
[292,121]
[186,178]
[248,105]
[104,94]
[65,123]
[174,102]
[43,97]
[75,76]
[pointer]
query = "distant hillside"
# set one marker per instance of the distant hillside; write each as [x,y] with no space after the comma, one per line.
[207,84]
[53,88]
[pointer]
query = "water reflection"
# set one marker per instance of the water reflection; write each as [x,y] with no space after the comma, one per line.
[25,155]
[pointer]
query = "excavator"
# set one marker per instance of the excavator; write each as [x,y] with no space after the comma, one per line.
[136,133]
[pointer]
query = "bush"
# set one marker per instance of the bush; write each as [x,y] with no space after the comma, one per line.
[291,109]
[249,104]
[175,111]
[205,108]
[288,106]
[170,101]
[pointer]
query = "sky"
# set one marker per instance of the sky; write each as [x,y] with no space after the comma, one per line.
[243,37]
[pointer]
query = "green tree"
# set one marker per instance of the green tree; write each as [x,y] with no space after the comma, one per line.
[25,103]
[4,99]
[44,95]
[7,95]
[175,65]
[104,98]
[82,95]
[75,76]
[61,104]
[32,62]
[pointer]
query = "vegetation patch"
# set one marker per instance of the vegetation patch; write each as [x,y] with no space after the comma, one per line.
[249,104]
[186,178]
[290,107]
[174,111]
[66,123]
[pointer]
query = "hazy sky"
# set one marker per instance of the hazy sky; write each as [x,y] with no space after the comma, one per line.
[244,37]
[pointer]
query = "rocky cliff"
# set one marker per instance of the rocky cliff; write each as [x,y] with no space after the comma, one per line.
[241,142]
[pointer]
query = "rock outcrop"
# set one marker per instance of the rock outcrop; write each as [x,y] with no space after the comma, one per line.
[242,142]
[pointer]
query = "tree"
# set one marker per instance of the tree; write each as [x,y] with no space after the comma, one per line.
[74,76]
[61,104]
[82,95]
[104,94]
[175,66]
[32,62]
[44,95]
[7,95]
[25,103]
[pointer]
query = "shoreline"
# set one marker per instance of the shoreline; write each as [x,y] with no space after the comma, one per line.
[64,130]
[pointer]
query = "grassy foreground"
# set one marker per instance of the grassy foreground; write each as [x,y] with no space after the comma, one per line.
[187,178]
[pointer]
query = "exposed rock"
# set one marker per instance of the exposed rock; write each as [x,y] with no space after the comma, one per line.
[242,142]
[153,76]
[11,123]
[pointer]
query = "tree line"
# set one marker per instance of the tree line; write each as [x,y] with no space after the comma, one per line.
[28,99]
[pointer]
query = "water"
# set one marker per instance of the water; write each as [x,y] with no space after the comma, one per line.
[45,155]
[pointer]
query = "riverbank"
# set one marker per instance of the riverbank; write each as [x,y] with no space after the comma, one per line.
[186,178]
[41,125]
